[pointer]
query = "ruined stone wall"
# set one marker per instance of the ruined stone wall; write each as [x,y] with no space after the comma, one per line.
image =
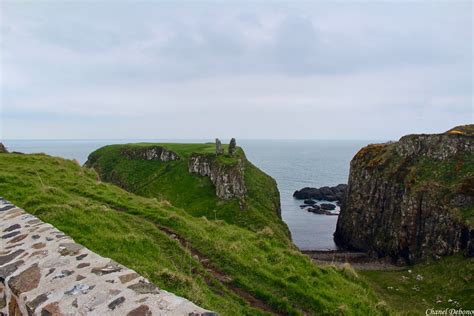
[44,272]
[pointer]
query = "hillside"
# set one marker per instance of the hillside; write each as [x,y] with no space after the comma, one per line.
[224,187]
[217,265]
[413,199]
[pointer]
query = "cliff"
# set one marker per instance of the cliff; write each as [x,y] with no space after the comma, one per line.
[412,199]
[226,187]
[228,178]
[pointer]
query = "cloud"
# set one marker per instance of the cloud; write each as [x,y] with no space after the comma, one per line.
[393,68]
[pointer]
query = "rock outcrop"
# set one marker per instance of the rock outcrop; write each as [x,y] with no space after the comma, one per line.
[44,272]
[412,199]
[152,152]
[228,178]
[324,193]
[3,150]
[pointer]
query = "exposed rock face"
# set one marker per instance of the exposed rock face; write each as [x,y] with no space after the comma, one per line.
[3,150]
[324,193]
[47,273]
[227,178]
[219,149]
[411,199]
[232,147]
[150,153]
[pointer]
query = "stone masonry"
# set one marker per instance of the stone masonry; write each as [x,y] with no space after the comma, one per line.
[44,272]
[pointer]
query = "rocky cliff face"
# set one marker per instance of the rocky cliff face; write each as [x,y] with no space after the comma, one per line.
[411,199]
[227,178]
[150,153]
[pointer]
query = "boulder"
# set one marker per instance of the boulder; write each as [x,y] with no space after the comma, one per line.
[309,202]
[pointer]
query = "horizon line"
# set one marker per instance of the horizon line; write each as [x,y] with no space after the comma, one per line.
[194,139]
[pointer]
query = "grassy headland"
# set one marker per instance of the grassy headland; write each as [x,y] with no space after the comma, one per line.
[196,194]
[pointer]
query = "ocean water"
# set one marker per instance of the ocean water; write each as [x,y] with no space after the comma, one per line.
[294,164]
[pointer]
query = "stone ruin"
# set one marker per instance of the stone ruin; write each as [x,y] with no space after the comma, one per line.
[219,149]
[232,147]
[3,149]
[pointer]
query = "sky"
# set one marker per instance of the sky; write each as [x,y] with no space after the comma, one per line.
[250,70]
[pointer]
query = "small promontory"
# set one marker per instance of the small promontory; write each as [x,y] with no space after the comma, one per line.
[213,180]
[412,199]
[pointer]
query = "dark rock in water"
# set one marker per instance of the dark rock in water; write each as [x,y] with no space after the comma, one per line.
[318,210]
[232,147]
[305,205]
[331,194]
[399,204]
[309,202]
[3,150]
[328,206]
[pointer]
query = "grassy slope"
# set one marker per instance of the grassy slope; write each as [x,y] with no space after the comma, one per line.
[451,278]
[123,226]
[171,181]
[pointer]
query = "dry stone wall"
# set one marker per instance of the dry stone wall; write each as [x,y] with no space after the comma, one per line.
[44,272]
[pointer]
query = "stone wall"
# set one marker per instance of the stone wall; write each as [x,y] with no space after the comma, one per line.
[44,272]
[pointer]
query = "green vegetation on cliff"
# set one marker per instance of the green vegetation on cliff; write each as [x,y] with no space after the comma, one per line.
[171,181]
[218,265]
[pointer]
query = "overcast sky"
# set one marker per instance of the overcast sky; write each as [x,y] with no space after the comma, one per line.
[326,70]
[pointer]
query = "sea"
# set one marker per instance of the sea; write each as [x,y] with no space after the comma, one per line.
[294,164]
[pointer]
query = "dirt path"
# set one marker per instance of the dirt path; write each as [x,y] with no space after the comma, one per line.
[358,260]
[222,278]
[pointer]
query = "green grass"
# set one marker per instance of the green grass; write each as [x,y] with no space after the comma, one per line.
[124,227]
[171,181]
[447,283]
